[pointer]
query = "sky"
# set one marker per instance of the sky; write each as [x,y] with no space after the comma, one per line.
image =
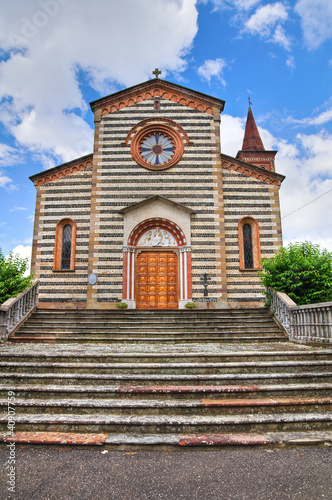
[56,56]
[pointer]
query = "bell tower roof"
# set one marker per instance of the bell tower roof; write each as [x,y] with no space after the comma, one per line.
[253,150]
[252,140]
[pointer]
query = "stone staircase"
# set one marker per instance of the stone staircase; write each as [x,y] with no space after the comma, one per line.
[164,378]
[255,325]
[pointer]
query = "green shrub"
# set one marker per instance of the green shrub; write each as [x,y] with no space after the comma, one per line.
[190,305]
[12,281]
[121,305]
[302,270]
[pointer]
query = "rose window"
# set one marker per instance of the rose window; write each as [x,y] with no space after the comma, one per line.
[157,146]
[157,149]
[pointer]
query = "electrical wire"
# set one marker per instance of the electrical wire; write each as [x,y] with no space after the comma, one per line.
[312,201]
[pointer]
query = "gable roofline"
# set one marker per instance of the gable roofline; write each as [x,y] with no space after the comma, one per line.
[259,173]
[71,167]
[155,198]
[156,82]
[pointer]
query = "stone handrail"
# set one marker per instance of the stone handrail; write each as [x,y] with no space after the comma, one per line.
[303,324]
[14,311]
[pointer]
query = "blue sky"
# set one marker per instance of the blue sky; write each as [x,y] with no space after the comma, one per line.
[58,55]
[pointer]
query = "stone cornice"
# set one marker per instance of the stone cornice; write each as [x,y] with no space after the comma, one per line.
[157,88]
[53,174]
[261,174]
[157,197]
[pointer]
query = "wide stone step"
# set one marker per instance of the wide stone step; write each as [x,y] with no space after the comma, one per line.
[107,339]
[156,332]
[172,368]
[206,406]
[141,424]
[160,392]
[180,322]
[160,379]
[131,440]
[74,355]
[141,329]
[133,314]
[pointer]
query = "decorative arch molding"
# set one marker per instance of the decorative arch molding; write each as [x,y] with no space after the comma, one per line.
[131,250]
[157,121]
[154,223]
[249,244]
[59,242]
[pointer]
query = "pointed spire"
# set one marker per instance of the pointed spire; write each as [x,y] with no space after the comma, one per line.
[252,140]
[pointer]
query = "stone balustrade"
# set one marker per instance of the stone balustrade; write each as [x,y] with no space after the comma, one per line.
[15,310]
[303,324]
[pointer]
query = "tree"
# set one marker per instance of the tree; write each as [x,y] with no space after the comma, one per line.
[12,279]
[302,270]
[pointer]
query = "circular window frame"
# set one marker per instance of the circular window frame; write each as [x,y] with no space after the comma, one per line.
[156,128]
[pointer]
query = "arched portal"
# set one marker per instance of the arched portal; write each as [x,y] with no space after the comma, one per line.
[157,266]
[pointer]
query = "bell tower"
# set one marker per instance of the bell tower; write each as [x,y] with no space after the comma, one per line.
[253,150]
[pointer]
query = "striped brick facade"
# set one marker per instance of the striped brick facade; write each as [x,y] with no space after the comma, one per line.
[58,198]
[95,190]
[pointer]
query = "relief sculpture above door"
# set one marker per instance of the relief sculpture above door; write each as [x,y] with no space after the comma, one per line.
[157,238]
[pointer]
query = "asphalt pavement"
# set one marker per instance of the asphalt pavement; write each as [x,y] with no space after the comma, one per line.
[84,473]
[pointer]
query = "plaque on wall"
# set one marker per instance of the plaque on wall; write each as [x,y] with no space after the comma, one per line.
[92,279]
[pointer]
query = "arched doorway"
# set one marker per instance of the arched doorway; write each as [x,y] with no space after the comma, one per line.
[157,266]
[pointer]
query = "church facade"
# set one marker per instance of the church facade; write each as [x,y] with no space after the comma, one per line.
[157,216]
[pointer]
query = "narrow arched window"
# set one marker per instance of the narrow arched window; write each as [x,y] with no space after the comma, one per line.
[249,244]
[65,245]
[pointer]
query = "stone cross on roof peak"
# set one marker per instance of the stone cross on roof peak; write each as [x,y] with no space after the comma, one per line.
[156,72]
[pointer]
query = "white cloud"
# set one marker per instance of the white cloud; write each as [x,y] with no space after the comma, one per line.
[2,224]
[49,41]
[290,62]
[212,67]
[9,155]
[4,180]
[15,209]
[238,4]
[316,19]
[306,163]
[266,18]
[279,37]
[267,23]
[232,133]
[24,252]
[322,118]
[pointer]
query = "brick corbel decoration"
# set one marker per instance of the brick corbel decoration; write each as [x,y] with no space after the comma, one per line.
[160,90]
[252,171]
[57,173]
[58,244]
[256,250]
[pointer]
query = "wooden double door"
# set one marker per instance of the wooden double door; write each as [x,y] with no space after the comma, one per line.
[157,280]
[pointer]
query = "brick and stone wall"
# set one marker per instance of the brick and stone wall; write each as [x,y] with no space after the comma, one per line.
[92,191]
[68,196]
[120,182]
[245,196]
